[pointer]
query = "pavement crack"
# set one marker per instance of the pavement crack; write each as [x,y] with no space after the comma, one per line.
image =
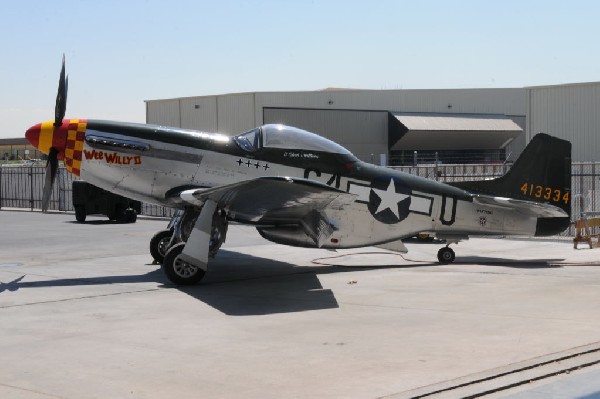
[79,298]
[32,391]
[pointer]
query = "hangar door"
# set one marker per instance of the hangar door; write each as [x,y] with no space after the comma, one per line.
[364,133]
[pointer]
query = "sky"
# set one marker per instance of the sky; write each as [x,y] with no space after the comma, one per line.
[120,53]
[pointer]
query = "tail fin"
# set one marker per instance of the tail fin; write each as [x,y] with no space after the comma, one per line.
[541,174]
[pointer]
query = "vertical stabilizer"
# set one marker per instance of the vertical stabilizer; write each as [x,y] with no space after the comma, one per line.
[541,174]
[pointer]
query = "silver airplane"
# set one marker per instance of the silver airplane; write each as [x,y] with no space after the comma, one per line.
[296,187]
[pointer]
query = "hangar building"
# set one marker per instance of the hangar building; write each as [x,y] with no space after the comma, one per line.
[400,127]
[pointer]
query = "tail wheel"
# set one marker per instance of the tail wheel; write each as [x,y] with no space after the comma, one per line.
[159,245]
[179,271]
[446,255]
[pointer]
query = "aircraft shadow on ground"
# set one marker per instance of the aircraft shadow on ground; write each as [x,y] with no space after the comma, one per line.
[16,284]
[236,284]
[245,285]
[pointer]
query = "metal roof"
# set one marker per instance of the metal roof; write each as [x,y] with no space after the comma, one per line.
[427,131]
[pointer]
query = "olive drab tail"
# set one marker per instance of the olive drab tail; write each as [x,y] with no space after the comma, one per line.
[541,174]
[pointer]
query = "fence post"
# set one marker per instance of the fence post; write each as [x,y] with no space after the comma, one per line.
[31,187]
[593,199]
[61,190]
[1,199]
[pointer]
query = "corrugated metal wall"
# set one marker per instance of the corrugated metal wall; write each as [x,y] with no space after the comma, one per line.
[199,113]
[163,112]
[236,113]
[571,112]
[228,114]
[362,132]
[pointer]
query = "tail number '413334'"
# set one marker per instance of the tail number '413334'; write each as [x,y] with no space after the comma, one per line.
[546,193]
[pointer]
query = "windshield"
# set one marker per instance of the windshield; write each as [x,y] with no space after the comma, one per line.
[286,138]
[249,141]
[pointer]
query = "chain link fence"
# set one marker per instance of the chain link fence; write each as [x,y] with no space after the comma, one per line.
[21,186]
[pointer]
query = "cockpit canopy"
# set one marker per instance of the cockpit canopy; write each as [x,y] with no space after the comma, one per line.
[286,137]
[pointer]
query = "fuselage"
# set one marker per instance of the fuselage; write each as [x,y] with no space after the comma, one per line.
[152,163]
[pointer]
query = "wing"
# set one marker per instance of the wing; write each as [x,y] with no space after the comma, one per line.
[526,208]
[276,201]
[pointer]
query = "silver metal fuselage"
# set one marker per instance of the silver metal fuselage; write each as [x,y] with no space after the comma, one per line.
[148,169]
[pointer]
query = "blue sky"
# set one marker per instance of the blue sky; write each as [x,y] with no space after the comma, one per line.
[120,53]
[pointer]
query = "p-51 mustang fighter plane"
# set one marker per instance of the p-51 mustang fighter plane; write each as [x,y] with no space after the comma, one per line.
[296,187]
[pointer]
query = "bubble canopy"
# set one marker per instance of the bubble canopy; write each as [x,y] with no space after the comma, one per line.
[286,137]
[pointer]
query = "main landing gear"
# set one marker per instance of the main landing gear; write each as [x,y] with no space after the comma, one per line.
[193,236]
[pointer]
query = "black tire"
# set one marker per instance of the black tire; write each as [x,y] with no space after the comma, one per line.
[121,215]
[159,245]
[80,214]
[446,255]
[131,215]
[178,271]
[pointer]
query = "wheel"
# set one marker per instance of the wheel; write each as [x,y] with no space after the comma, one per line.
[446,255]
[159,245]
[80,214]
[121,215]
[131,215]
[179,271]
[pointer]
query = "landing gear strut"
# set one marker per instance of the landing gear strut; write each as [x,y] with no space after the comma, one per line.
[193,236]
[446,255]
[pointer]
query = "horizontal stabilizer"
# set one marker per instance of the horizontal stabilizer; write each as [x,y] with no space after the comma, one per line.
[526,208]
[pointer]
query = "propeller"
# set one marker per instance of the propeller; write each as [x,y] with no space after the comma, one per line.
[59,114]
[61,96]
[51,168]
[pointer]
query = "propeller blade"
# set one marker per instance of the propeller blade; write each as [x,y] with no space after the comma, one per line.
[51,169]
[61,96]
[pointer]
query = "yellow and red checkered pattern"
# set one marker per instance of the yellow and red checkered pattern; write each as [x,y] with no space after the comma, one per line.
[74,148]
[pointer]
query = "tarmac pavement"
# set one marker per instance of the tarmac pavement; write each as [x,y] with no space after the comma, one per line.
[85,314]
